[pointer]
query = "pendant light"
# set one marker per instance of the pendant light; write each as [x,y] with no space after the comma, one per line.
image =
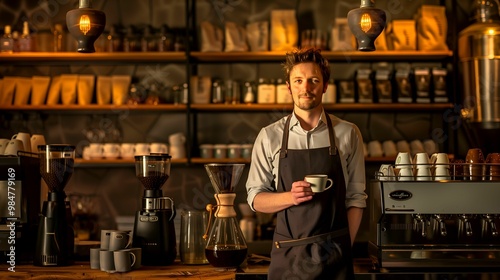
[85,25]
[366,23]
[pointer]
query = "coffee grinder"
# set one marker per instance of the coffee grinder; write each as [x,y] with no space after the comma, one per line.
[226,245]
[154,230]
[55,239]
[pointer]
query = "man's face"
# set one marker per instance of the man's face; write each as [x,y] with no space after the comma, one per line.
[306,85]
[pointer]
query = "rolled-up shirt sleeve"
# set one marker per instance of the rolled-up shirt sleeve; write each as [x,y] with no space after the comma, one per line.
[260,176]
[354,170]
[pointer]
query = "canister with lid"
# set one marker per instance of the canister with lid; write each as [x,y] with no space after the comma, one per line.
[283,95]
[266,91]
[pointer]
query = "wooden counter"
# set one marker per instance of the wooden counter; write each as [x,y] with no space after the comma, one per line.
[82,271]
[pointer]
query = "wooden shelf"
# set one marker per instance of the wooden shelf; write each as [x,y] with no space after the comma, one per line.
[156,57]
[98,57]
[339,56]
[219,160]
[95,107]
[79,162]
[328,107]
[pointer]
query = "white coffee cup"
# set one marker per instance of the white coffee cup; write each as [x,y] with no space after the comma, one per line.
[423,174]
[96,151]
[389,148]
[442,173]
[159,148]
[111,150]
[405,174]
[3,144]
[430,146]
[403,146]
[142,149]
[25,138]
[36,140]
[386,173]
[403,160]
[375,149]
[13,146]
[177,139]
[86,153]
[127,150]
[416,146]
[319,182]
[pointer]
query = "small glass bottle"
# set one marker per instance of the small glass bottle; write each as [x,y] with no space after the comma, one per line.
[148,42]
[25,40]
[165,39]
[57,38]
[15,37]
[113,41]
[131,43]
[249,93]
[7,42]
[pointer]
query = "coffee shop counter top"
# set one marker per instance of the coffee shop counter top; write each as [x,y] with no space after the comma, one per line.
[82,271]
[362,269]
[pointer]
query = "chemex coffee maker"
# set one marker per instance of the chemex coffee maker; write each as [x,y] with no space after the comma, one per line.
[226,246]
[19,206]
[154,230]
[55,240]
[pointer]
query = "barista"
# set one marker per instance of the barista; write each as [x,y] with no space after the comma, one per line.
[314,231]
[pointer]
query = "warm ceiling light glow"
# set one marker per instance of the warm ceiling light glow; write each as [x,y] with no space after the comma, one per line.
[85,24]
[366,22]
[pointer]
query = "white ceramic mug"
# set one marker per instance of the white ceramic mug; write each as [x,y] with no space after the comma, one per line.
[386,173]
[3,144]
[96,150]
[25,138]
[111,150]
[405,174]
[319,182]
[159,148]
[403,160]
[127,150]
[375,149]
[36,140]
[142,149]
[13,146]
[389,148]
[177,139]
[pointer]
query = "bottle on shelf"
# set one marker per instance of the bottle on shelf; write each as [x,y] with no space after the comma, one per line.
[131,42]
[148,42]
[266,91]
[7,42]
[57,38]
[283,95]
[249,95]
[165,39]
[25,40]
[114,40]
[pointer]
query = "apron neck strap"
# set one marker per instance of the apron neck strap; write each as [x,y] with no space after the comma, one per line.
[286,132]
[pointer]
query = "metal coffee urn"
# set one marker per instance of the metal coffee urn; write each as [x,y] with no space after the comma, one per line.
[479,54]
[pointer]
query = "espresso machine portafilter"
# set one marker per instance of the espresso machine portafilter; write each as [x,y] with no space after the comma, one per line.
[154,230]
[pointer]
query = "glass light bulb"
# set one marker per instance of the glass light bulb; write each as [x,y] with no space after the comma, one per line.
[366,22]
[84,24]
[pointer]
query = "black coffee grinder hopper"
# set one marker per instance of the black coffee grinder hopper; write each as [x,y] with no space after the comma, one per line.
[154,230]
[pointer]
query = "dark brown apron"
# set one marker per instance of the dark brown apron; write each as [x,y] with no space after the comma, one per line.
[311,240]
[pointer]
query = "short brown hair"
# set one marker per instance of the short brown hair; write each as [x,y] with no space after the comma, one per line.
[306,55]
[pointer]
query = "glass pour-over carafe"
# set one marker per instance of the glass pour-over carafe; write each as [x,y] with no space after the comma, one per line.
[226,246]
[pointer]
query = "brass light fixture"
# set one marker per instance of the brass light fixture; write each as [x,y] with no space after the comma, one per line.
[85,25]
[366,23]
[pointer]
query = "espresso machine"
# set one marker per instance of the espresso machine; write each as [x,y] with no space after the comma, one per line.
[20,187]
[448,223]
[55,238]
[154,230]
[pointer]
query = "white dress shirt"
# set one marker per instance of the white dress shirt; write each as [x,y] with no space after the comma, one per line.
[265,155]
